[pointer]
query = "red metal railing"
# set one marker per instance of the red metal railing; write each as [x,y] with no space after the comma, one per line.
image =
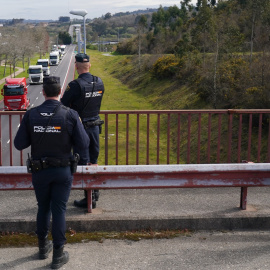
[166,137]
[186,136]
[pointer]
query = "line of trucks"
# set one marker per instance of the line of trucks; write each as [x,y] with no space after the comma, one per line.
[42,68]
[15,90]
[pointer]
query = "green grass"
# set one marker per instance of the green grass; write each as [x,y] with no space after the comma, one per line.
[12,239]
[8,71]
[119,96]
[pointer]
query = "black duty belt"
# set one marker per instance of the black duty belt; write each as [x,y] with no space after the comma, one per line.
[44,163]
[97,122]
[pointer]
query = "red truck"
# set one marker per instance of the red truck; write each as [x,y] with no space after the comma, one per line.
[15,94]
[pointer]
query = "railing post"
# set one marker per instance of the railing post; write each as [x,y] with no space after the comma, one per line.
[10,141]
[243,199]
[147,139]
[249,136]
[229,137]
[178,136]
[127,138]
[209,138]
[1,161]
[138,139]
[219,138]
[259,139]
[239,138]
[158,136]
[168,137]
[106,139]
[116,138]
[188,139]
[89,200]
[199,139]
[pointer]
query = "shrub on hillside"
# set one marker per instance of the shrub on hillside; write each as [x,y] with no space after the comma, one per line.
[126,47]
[234,78]
[167,66]
[91,47]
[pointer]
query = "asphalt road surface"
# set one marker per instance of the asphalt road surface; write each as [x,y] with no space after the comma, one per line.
[65,70]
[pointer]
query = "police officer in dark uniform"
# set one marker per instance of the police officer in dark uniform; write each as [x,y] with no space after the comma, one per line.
[84,95]
[52,130]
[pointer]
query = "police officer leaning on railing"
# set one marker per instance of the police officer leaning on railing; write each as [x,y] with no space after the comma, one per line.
[52,130]
[84,95]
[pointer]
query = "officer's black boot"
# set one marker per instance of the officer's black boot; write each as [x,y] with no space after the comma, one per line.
[96,193]
[45,247]
[83,203]
[60,257]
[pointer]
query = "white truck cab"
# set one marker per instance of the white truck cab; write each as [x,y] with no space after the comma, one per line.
[54,58]
[35,74]
[45,66]
[63,49]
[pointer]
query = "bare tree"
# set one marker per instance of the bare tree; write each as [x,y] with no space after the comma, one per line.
[26,49]
[41,40]
[14,49]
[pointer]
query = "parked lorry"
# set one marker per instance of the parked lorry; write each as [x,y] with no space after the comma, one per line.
[14,93]
[35,74]
[54,58]
[45,66]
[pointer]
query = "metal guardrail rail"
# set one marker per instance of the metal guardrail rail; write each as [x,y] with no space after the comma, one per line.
[152,177]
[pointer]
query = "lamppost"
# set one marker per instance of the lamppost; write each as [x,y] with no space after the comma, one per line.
[78,35]
[81,12]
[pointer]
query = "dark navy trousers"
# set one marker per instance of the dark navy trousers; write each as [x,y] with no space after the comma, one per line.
[52,188]
[93,134]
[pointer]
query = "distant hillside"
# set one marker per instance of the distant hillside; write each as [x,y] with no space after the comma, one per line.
[139,11]
[10,21]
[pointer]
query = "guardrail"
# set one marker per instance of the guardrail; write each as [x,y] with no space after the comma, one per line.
[167,137]
[152,177]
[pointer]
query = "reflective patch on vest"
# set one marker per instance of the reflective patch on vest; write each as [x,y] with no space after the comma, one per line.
[94,94]
[46,114]
[50,129]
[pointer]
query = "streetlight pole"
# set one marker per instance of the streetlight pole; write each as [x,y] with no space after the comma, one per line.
[78,34]
[84,34]
[81,12]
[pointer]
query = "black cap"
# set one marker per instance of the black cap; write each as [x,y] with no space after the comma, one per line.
[81,57]
[51,80]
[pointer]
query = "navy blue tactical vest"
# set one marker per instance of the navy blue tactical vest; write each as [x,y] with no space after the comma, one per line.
[88,105]
[49,139]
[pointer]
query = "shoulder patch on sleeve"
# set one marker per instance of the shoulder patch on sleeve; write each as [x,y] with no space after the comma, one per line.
[68,87]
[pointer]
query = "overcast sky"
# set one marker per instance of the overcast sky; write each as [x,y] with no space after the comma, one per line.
[53,9]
